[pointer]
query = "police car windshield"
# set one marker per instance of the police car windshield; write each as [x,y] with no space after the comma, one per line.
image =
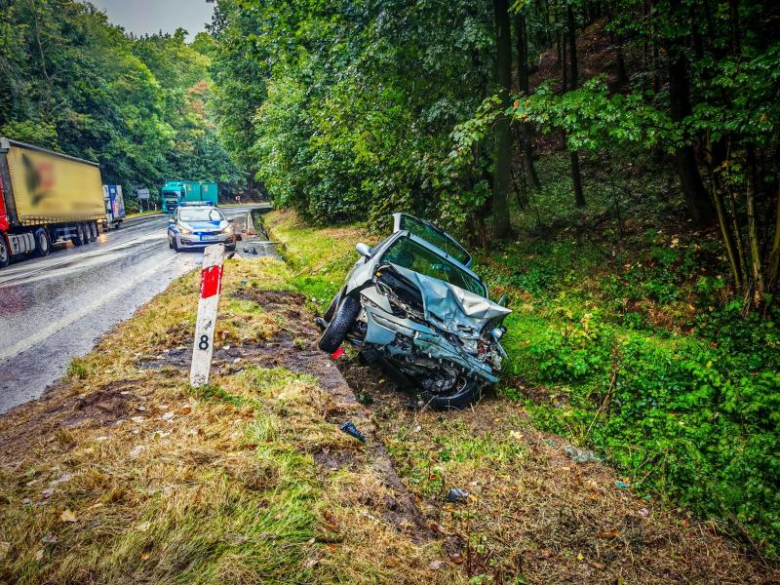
[199,214]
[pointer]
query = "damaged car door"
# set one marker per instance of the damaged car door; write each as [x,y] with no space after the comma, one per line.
[413,303]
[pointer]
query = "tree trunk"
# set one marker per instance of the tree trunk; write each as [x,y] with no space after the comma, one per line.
[503,159]
[697,199]
[570,24]
[576,178]
[526,132]
[757,269]
[774,255]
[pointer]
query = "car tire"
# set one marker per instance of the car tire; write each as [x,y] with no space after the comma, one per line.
[328,315]
[175,245]
[170,242]
[464,398]
[42,243]
[5,252]
[343,320]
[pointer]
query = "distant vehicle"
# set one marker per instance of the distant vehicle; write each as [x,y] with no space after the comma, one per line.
[46,197]
[196,225]
[175,193]
[115,205]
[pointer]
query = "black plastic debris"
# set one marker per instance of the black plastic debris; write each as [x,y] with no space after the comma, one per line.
[457,495]
[349,428]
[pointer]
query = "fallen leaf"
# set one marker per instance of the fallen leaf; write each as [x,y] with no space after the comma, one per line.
[185,410]
[39,555]
[144,556]
[457,558]
[143,526]
[608,534]
[597,565]
[436,565]
[67,516]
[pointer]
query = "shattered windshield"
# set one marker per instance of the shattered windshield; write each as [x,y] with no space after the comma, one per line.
[407,253]
[441,240]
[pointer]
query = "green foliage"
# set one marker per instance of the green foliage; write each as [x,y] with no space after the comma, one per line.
[137,106]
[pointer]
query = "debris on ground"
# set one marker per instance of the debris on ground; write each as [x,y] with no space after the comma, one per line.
[580,455]
[456,495]
[349,428]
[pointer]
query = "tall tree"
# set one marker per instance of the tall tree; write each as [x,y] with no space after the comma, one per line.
[503,153]
[526,133]
[579,195]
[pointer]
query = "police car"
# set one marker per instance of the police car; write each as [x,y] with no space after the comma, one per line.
[199,225]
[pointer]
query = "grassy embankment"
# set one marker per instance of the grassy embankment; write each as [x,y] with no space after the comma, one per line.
[608,358]
[124,474]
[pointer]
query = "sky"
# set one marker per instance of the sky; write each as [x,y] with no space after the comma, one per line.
[151,16]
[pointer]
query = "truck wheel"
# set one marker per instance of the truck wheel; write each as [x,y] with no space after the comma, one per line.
[93,226]
[88,233]
[5,255]
[42,243]
[78,238]
[339,326]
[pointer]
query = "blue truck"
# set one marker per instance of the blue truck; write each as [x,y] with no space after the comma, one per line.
[174,193]
[115,205]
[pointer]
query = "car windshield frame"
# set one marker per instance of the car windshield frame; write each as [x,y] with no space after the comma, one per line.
[466,280]
[435,236]
[209,210]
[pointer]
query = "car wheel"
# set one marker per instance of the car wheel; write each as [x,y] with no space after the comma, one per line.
[170,242]
[328,315]
[42,243]
[469,393]
[343,320]
[175,245]
[5,255]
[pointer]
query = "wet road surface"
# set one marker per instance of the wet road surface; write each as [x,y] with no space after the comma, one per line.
[55,308]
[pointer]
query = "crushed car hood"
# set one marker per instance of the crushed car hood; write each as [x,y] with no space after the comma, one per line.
[459,311]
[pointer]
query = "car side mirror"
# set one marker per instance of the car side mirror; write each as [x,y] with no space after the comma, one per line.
[502,301]
[363,250]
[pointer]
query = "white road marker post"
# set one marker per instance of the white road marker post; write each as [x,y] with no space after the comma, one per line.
[210,287]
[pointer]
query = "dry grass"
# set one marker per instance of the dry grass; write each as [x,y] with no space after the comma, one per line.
[123,474]
[533,515]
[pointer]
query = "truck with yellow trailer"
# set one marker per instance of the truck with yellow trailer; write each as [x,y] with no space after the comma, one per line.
[46,198]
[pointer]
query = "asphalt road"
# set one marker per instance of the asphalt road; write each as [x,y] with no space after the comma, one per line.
[55,308]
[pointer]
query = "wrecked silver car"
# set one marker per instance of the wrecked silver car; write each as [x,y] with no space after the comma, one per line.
[414,304]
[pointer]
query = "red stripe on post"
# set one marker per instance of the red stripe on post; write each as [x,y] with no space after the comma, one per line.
[210,282]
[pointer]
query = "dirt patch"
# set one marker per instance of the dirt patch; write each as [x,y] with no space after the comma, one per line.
[29,425]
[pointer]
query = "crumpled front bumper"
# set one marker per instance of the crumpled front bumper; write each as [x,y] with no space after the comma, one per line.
[383,327]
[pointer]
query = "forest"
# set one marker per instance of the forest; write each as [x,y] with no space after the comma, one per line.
[73,82]
[615,162]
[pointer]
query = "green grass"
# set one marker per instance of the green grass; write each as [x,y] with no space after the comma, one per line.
[629,344]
